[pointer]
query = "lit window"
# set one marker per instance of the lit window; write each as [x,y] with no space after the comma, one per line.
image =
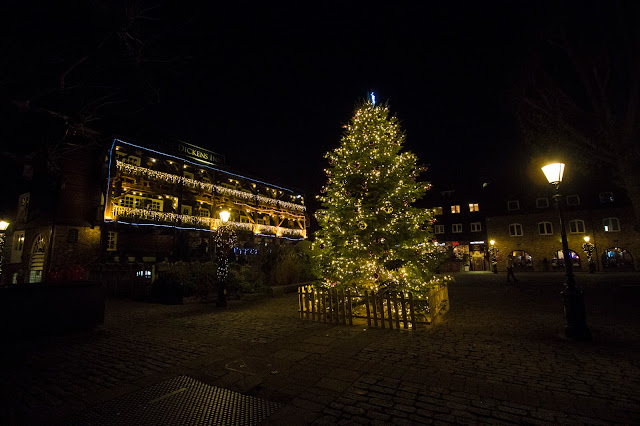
[156,206]
[611,224]
[515,229]
[545,228]
[513,205]
[542,203]
[573,200]
[456,228]
[439,229]
[128,201]
[204,213]
[437,210]
[473,207]
[576,226]
[455,209]
[112,241]
[606,197]
[476,227]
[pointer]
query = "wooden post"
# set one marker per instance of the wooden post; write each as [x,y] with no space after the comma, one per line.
[329,296]
[375,308]
[324,304]
[313,304]
[350,306]
[389,309]
[381,309]
[395,306]
[404,310]
[412,312]
[343,300]
[300,301]
[366,302]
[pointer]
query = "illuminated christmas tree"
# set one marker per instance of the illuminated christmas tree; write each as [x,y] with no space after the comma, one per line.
[371,236]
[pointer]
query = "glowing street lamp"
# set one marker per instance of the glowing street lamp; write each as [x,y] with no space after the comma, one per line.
[225,239]
[572,297]
[589,248]
[494,261]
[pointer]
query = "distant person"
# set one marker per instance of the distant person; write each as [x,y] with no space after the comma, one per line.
[510,269]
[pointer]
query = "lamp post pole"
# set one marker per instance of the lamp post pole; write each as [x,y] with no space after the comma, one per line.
[225,239]
[572,297]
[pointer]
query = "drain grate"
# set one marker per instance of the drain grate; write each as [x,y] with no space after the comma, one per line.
[181,400]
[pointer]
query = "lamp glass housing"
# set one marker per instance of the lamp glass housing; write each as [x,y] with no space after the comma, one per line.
[224,215]
[554,172]
[3,225]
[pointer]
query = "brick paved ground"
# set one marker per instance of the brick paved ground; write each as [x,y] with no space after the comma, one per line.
[498,357]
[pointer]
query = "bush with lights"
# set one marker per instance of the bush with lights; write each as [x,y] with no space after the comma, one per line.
[371,236]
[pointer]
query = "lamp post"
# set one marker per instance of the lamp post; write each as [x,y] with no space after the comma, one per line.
[225,238]
[494,261]
[3,227]
[589,248]
[572,297]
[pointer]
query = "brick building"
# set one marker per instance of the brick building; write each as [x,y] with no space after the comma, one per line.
[526,225]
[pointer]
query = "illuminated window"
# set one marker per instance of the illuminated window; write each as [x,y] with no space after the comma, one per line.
[456,228]
[611,224]
[128,201]
[476,226]
[606,197]
[131,159]
[17,247]
[455,209]
[513,205]
[439,229]
[576,226]
[204,212]
[573,200]
[545,228]
[515,229]
[473,207]
[112,241]
[437,210]
[542,203]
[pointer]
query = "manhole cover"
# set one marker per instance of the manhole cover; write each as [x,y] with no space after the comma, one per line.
[180,401]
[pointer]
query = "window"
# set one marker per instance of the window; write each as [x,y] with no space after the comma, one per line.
[455,209]
[576,226]
[204,212]
[17,247]
[573,200]
[513,205]
[447,194]
[188,175]
[515,230]
[545,228]
[542,203]
[476,227]
[456,228]
[156,206]
[473,207]
[611,224]
[72,236]
[112,241]
[606,197]
[131,159]
[437,210]
[186,210]
[439,229]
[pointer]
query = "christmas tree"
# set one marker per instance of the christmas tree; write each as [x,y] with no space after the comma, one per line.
[371,236]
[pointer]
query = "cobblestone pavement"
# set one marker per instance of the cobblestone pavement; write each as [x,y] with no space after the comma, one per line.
[498,357]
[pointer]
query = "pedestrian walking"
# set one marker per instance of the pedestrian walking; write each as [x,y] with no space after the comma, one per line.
[510,269]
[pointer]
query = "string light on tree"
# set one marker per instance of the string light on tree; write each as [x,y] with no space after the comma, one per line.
[371,237]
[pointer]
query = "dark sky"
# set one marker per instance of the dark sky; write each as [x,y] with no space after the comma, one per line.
[269,85]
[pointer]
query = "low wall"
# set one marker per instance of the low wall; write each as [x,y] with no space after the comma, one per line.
[50,308]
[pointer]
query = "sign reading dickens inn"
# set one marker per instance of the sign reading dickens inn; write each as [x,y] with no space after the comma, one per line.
[196,153]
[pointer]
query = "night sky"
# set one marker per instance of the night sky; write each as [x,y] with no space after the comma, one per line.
[270,85]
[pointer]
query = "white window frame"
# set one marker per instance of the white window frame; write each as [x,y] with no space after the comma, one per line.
[570,199]
[516,227]
[456,228]
[112,241]
[608,222]
[455,209]
[542,203]
[476,226]
[511,203]
[548,228]
[474,207]
[438,229]
[574,229]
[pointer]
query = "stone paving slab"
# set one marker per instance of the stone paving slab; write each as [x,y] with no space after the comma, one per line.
[498,357]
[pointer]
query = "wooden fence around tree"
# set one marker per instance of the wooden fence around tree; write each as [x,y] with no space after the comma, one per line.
[392,310]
